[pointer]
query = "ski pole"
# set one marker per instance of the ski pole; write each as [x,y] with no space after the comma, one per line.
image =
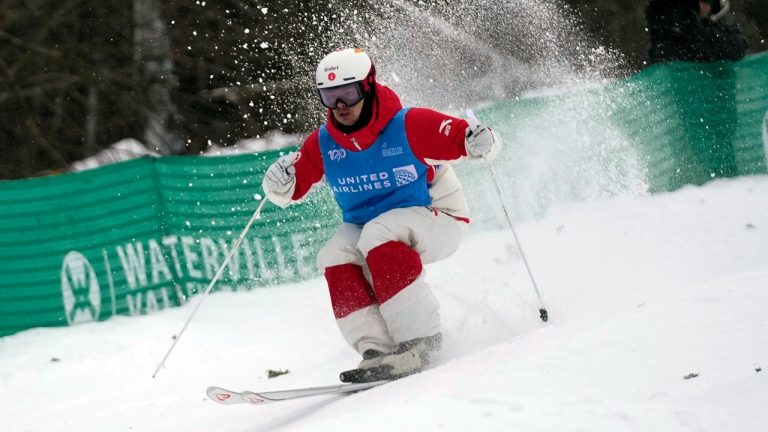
[543,314]
[256,215]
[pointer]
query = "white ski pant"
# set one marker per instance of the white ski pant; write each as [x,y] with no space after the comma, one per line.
[412,311]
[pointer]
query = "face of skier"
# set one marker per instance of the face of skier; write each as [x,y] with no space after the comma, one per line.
[348,115]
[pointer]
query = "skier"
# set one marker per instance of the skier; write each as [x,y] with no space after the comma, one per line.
[402,206]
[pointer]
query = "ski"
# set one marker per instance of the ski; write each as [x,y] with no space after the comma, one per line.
[228,397]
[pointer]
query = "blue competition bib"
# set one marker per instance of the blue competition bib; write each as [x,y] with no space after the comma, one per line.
[380,178]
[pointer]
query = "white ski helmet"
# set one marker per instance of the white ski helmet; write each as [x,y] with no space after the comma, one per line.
[349,72]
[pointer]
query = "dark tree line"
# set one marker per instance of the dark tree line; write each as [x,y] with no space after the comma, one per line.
[79,75]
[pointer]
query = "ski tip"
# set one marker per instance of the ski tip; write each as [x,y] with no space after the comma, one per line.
[223,396]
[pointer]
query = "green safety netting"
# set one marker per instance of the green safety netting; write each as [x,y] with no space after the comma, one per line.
[147,234]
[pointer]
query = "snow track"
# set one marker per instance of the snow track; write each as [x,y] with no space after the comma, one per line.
[642,292]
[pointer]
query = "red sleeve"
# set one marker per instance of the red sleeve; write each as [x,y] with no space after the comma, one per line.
[309,166]
[434,135]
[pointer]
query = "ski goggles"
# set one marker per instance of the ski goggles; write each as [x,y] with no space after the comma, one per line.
[349,94]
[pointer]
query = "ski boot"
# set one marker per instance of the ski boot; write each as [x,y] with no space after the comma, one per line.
[410,357]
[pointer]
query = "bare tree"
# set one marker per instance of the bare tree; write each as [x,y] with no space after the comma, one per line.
[79,75]
[155,76]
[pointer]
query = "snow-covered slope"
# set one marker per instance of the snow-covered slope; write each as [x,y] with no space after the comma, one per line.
[641,292]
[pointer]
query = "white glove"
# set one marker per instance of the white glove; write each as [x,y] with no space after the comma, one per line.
[280,180]
[481,142]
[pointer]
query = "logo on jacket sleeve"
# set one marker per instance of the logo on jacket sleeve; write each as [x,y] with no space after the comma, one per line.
[405,175]
[445,127]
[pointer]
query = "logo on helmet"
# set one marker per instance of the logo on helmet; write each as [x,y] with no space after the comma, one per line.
[331,76]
